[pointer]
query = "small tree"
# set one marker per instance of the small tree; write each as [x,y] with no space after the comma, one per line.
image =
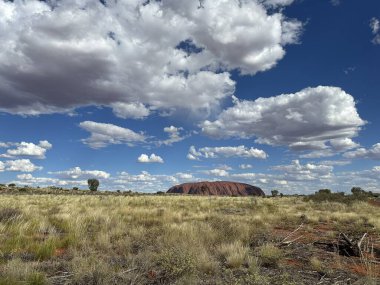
[324,191]
[93,184]
[274,193]
[357,191]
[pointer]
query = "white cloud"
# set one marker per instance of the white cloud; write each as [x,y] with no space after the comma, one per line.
[103,135]
[375,27]
[144,182]
[57,59]
[48,181]
[302,146]
[304,120]
[184,176]
[217,172]
[368,179]
[318,154]
[130,110]
[323,150]
[343,144]
[4,145]
[174,136]
[298,172]
[22,165]
[245,166]
[77,173]
[2,166]
[335,162]
[276,3]
[144,158]
[29,149]
[193,154]
[371,153]
[226,151]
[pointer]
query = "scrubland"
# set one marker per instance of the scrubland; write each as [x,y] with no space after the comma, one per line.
[117,239]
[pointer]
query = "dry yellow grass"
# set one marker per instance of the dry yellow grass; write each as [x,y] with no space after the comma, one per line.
[63,239]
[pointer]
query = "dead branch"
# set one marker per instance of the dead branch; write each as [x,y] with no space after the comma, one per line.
[288,242]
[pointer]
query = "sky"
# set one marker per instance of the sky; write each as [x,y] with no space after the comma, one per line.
[144,95]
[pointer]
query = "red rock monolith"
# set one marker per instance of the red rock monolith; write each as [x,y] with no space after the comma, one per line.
[221,188]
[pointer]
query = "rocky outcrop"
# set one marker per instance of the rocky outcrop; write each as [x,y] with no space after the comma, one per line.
[222,188]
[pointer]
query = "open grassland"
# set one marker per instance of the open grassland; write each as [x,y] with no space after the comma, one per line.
[70,239]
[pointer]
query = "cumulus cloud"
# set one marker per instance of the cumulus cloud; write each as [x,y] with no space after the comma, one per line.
[217,172]
[57,55]
[103,135]
[225,151]
[4,145]
[298,172]
[28,149]
[375,28]
[371,153]
[304,120]
[144,158]
[21,165]
[130,110]
[174,136]
[184,176]
[77,172]
[343,144]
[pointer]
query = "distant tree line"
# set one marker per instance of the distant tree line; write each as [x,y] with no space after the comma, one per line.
[327,195]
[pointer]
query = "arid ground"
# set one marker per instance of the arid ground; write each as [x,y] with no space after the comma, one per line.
[154,239]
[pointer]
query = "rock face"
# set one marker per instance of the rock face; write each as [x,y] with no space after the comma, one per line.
[222,188]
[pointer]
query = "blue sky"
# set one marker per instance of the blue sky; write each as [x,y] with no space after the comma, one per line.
[143,95]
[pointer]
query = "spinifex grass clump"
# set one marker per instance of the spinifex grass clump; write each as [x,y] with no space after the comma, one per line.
[8,214]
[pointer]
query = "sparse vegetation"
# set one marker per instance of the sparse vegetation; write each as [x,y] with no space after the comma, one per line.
[123,239]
